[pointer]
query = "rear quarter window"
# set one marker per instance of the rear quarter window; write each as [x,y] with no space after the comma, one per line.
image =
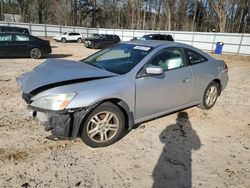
[194,57]
[22,38]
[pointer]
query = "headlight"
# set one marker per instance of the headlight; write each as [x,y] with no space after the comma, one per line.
[53,102]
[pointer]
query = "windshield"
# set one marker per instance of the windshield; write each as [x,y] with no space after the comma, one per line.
[146,37]
[96,36]
[118,59]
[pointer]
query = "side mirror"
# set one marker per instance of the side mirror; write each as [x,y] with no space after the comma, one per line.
[154,70]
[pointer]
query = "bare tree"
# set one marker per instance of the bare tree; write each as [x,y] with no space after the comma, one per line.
[188,15]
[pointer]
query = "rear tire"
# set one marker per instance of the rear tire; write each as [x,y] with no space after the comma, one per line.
[210,96]
[35,53]
[104,126]
[79,40]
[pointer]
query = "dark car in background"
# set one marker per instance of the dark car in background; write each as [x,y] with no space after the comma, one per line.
[23,45]
[4,29]
[157,37]
[101,41]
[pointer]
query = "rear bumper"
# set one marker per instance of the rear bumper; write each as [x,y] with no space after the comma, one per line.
[224,81]
[61,124]
[48,50]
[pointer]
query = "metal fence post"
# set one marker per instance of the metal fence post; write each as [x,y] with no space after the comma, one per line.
[30,28]
[60,29]
[122,34]
[192,39]
[242,36]
[213,42]
[45,30]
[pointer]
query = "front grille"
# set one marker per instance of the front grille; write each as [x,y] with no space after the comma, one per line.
[27,98]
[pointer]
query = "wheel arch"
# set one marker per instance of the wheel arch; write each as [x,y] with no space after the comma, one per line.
[122,105]
[129,116]
[219,84]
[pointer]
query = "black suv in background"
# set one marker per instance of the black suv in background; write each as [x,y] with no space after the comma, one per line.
[157,37]
[4,29]
[101,41]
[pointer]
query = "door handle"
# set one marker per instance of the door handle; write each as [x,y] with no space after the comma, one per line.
[185,80]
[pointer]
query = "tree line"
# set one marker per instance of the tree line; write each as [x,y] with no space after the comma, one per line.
[178,15]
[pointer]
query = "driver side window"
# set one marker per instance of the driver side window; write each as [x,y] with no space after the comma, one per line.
[170,58]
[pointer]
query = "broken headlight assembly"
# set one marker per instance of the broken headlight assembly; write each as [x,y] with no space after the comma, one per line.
[53,102]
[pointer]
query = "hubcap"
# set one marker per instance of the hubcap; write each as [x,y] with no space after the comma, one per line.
[35,53]
[211,96]
[102,127]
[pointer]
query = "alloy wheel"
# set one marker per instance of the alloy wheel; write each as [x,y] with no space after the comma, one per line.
[35,53]
[102,127]
[211,96]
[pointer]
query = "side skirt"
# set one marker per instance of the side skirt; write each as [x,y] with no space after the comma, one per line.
[159,114]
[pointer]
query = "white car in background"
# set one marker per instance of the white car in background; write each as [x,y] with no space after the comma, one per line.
[69,36]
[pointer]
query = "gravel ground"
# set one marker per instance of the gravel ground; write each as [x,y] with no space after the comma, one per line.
[207,149]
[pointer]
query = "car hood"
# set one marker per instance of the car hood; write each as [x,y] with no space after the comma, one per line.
[57,72]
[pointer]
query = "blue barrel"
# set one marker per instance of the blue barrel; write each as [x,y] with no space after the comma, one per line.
[219,46]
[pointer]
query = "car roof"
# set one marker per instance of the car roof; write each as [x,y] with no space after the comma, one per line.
[5,26]
[72,32]
[157,43]
[14,33]
[150,43]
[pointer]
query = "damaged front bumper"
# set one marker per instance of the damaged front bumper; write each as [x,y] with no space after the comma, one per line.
[62,124]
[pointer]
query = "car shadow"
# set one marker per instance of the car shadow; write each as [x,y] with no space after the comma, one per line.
[174,167]
[58,55]
[44,57]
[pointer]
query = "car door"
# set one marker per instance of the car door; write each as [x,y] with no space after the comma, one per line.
[70,37]
[20,43]
[103,41]
[158,93]
[5,44]
[200,67]
[109,40]
[73,36]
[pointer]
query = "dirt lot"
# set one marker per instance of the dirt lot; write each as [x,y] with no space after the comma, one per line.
[210,149]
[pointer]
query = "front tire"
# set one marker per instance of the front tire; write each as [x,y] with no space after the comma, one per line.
[104,126]
[35,53]
[63,40]
[210,96]
[95,45]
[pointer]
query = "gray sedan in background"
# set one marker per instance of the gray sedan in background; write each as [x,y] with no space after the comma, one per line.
[102,96]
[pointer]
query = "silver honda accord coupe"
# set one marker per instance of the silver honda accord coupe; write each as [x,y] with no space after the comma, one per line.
[102,96]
